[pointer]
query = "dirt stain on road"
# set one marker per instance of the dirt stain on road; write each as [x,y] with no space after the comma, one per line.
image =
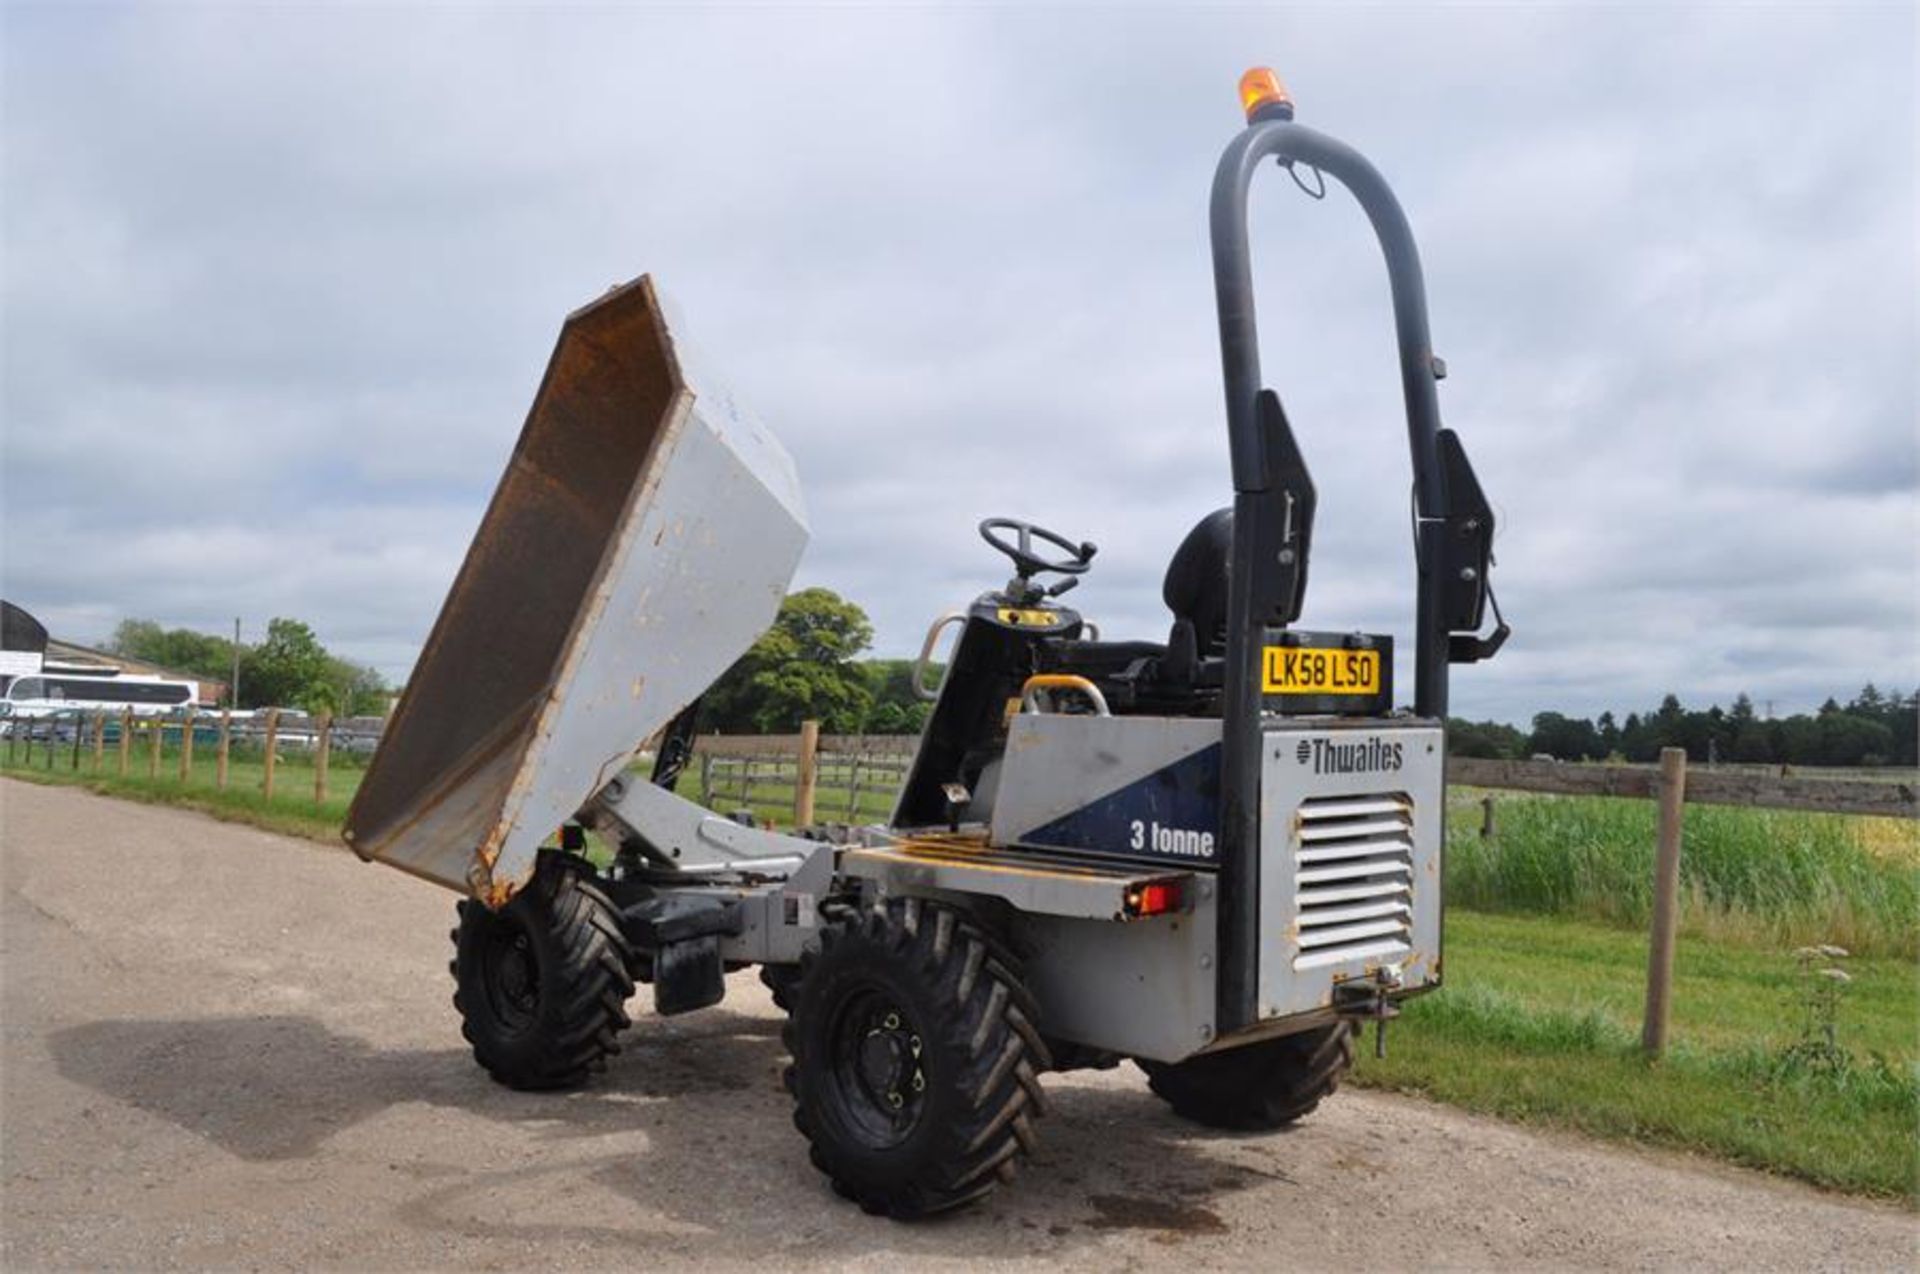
[1136,1212]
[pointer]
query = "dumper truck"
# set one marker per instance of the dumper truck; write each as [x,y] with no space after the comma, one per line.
[1213,853]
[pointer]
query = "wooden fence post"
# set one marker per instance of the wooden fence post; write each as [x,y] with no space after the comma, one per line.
[126,739]
[853,790]
[706,779]
[808,774]
[322,743]
[273,734]
[186,748]
[79,732]
[155,736]
[99,741]
[1666,901]
[220,753]
[1486,817]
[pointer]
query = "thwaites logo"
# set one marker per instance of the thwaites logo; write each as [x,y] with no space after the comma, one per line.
[1368,756]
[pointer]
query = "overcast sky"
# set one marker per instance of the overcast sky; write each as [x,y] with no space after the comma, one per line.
[279,284]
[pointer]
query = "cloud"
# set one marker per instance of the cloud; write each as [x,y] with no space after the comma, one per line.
[278,286]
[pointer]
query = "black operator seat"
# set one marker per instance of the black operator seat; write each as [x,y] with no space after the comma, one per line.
[1182,676]
[1195,591]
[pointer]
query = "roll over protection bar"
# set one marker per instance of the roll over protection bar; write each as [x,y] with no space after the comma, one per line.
[1274,135]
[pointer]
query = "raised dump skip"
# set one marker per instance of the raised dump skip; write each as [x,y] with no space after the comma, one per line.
[642,536]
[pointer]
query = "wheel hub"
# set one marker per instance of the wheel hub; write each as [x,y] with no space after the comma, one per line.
[879,1052]
[513,977]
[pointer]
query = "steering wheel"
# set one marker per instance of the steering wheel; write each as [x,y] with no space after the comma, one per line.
[1027,563]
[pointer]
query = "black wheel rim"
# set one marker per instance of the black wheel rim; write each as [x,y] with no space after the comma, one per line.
[878,1072]
[512,976]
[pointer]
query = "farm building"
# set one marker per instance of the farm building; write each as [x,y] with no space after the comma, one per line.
[28,643]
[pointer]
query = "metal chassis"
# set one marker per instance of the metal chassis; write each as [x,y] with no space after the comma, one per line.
[764,895]
[692,850]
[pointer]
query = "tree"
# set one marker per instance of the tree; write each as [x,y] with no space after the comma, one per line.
[1847,739]
[801,668]
[1492,740]
[1874,728]
[1638,740]
[897,707]
[289,668]
[1752,742]
[1609,733]
[1567,738]
[362,690]
[825,627]
[179,649]
[1906,730]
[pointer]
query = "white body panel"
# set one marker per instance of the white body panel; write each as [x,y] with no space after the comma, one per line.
[1350,837]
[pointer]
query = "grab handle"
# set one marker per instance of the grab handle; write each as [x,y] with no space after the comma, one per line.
[1030,692]
[926,656]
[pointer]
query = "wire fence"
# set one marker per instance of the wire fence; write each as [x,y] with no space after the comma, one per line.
[855,778]
[796,779]
[187,745]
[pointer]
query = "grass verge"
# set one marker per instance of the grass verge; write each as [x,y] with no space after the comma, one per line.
[1539,1023]
[292,812]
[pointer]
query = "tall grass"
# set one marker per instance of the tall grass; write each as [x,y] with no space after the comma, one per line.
[1759,876]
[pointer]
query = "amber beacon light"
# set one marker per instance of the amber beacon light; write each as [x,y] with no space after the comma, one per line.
[1264,97]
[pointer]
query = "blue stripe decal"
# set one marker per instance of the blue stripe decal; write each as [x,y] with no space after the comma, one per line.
[1172,815]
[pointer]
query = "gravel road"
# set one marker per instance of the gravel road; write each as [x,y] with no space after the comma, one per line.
[227,1048]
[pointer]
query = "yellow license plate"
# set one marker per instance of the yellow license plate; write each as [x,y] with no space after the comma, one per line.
[1294,670]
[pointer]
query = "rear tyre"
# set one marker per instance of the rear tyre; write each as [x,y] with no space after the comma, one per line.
[1256,1087]
[542,984]
[916,1061]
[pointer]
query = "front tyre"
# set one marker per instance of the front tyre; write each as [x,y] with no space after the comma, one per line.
[1256,1087]
[542,984]
[916,1059]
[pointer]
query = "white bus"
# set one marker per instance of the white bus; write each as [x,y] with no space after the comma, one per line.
[50,694]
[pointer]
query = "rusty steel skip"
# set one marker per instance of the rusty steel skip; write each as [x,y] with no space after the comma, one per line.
[641,505]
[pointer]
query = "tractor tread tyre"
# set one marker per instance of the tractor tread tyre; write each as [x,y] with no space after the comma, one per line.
[779,980]
[982,1056]
[581,977]
[1256,1087]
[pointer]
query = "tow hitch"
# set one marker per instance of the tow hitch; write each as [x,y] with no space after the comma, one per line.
[1366,999]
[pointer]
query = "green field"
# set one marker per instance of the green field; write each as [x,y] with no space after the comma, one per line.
[1545,962]
[1539,1022]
